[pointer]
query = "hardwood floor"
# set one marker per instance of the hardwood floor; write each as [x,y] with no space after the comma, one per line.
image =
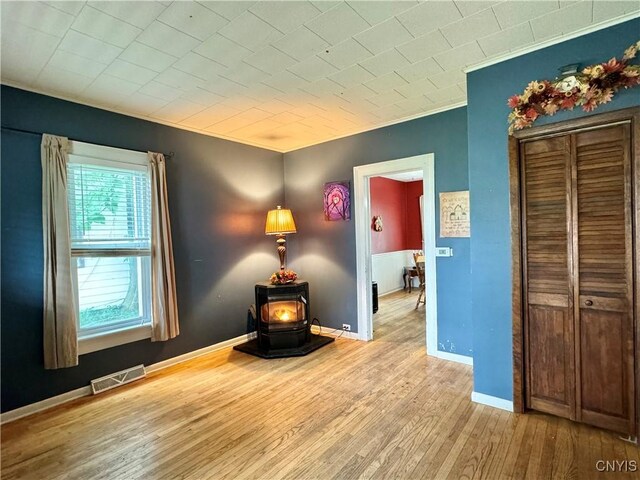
[379,409]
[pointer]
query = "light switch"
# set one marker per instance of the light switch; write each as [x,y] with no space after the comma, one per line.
[444,252]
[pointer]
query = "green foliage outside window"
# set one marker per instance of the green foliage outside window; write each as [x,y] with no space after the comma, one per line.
[101,197]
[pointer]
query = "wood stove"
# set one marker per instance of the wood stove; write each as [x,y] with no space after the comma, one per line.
[282,315]
[283,323]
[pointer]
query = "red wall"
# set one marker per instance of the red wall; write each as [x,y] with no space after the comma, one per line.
[398,204]
[388,199]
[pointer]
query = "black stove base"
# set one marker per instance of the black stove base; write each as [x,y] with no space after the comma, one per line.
[251,347]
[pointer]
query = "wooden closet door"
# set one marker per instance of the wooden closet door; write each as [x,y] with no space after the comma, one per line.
[604,278]
[547,267]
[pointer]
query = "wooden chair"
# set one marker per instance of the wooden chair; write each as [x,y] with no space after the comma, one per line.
[418,258]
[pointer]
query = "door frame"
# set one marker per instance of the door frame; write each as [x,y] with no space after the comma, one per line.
[362,209]
[627,115]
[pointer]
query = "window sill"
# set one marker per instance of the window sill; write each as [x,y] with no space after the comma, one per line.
[113,339]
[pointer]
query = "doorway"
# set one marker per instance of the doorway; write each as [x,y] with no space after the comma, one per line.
[396,231]
[363,218]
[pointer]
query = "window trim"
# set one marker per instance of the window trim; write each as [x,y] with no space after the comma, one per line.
[110,157]
[100,153]
[113,339]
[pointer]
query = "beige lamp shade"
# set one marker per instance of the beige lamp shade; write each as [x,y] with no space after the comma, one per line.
[279,222]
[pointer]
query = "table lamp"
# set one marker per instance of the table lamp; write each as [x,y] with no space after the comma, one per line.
[280,223]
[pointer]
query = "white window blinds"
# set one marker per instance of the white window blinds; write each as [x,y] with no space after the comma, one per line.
[109,209]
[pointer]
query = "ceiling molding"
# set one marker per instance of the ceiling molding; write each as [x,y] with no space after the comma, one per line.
[129,114]
[230,139]
[282,78]
[387,124]
[554,41]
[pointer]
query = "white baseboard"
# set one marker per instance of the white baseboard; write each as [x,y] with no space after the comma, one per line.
[334,332]
[202,351]
[47,403]
[496,402]
[392,291]
[454,357]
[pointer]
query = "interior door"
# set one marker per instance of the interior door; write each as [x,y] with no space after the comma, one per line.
[547,268]
[603,267]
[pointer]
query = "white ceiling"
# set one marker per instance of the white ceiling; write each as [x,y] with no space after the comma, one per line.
[276,74]
[405,176]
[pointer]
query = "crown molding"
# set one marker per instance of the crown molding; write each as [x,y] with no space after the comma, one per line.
[554,41]
[67,98]
[112,109]
[453,106]
[472,68]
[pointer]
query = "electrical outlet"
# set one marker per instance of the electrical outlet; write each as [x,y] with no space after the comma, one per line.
[346,327]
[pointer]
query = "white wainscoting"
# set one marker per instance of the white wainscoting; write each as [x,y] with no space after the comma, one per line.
[386,269]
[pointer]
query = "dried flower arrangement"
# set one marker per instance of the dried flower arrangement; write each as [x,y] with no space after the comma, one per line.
[595,85]
[283,277]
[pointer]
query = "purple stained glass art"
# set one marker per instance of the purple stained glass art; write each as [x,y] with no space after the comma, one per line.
[337,201]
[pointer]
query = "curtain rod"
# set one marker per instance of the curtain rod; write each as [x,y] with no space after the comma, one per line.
[31,132]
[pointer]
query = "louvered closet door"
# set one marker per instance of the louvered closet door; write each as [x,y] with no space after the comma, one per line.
[549,320]
[604,299]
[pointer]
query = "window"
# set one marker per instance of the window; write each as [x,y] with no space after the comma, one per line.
[110,223]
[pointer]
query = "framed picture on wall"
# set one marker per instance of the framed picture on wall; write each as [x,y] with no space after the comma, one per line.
[337,201]
[454,214]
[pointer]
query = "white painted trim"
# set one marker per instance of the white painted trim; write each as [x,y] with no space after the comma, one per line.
[380,295]
[563,38]
[495,402]
[334,332]
[362,211]
[478,66]
[51,402]
[113,339]
[454,357]
[389,254]
[69,98]
[102,152]
[202,351]
[45,404]
[101,162]
[435,111]
[108,108]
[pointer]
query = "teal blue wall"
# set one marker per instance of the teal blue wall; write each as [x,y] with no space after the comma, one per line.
[219,192]
[213,181]
[488,90]
[325,252]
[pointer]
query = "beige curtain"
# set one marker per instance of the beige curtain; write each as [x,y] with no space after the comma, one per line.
[60,326]
[163,285]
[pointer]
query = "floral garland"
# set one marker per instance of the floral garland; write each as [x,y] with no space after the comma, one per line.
[595,85]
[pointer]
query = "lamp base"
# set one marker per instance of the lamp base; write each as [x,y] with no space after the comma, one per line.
[281,241]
